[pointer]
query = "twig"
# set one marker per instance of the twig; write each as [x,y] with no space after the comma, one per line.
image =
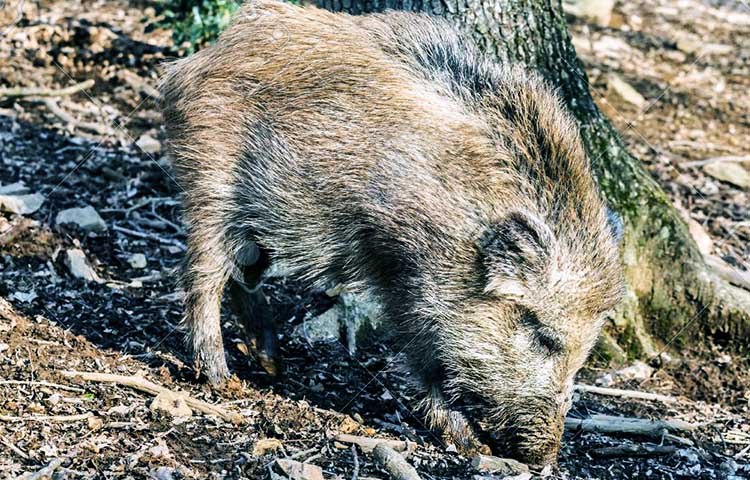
[728,158]
[147,236]
[700,145]
[138,84]
[368,444]
[44,384]
[393,463]
[303,453]
[355,474]
[616,392]
[14,448]
[45,92]
[625,425]
[72,121]
[140,383]
[633,451]
[46,418]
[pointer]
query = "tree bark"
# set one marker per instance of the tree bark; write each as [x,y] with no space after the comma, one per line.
[673,298]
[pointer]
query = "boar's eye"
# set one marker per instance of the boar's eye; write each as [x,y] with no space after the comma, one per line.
[545,339]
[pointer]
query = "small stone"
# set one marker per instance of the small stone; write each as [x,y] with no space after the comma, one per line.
[348,425]
[163,473]
[148,144]
[689,43]
[87,218]
[637,371]
[160,450]
[266,445]
[17,188]
[718,49]
[79,266]
[94,423]
[119,410]
[500,466]
[138,260]
[172,404]
[21,204]
[299,471]
[624,91]
[322,328]
[597,11]
[729,172]
[53,399]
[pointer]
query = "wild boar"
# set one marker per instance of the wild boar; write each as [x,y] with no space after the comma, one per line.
[386,153]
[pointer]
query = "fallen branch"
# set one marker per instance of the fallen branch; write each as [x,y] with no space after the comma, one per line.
[14,448]
[728,158]
[625,425]
[616,392]
[138,84]
[355,458]
[45,92]
[46,418]
[633,451]
[368,444]
[43,384]
[72,121]
[135,233]
[393,463]
[140,383]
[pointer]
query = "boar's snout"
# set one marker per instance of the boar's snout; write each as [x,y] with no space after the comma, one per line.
[532,436]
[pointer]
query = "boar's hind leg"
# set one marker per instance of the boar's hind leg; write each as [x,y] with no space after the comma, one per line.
[206,273]
[250,305]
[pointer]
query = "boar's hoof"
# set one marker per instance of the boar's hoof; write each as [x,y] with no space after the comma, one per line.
[265,350]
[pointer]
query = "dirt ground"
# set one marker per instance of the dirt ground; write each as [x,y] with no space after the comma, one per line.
[688,59]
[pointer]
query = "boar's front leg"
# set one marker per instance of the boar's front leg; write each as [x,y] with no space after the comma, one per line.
[206,272]
[450,422]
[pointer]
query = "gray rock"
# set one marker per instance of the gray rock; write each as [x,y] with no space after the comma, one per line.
[323,328]
[138,260]
[79,266]
[729,172]
[361,320]
[597,11]
[353,320]
[21,204]
[625,91]
[87,218]
[499,466]
[171,404]
[148,144]
[299,471]
[17,188]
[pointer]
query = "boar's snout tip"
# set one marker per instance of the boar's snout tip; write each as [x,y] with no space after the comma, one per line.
[534,450]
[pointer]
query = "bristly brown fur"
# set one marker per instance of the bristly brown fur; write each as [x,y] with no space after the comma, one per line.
[386,153]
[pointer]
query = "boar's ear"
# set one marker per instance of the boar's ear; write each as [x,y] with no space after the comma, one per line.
[516,250]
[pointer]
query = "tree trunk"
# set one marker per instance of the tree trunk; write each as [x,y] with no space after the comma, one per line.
[673,298]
